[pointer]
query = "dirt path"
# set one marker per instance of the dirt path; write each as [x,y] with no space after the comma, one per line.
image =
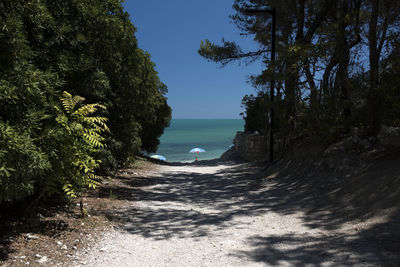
[223,215]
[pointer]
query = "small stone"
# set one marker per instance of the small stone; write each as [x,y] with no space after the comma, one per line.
[59,243]
[76,241]
[74,248]
[64,247]
[20,257]
[82,224]
[103,249]
[42,260]
[38,256]
[31,237]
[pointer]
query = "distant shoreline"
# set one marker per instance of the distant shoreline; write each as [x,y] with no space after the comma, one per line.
[215,136]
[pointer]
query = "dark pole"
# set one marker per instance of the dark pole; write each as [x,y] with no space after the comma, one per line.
[272,89]
[271,92]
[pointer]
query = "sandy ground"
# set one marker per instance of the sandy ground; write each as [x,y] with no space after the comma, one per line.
[223,215]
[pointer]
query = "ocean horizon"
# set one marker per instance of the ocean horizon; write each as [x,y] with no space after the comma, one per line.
[215,136]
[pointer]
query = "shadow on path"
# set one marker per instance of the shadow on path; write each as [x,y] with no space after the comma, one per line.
[191,203]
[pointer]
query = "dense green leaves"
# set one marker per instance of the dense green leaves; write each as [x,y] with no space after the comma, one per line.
[78,139]
[48,143]
[22,162]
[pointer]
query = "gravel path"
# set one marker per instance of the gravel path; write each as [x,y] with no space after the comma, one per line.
[221,215]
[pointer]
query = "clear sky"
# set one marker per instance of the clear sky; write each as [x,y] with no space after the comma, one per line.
[171,32]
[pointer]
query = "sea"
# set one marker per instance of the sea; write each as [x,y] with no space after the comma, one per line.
[215,136]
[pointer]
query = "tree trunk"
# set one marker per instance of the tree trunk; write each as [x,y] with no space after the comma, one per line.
[374,98]
[342,79]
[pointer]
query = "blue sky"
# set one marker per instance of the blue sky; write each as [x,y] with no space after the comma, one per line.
[171,32]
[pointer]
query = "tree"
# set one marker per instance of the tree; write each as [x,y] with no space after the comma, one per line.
[94,50]
[320,67]
[89,48]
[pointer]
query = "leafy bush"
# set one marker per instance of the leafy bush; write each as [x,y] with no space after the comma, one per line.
[22,163]
[61,156]
[87,46]
[76,141]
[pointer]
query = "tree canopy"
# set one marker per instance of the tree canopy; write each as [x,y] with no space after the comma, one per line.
[89,49]
[335,69]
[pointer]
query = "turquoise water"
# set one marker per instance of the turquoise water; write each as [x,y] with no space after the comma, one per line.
[213,135]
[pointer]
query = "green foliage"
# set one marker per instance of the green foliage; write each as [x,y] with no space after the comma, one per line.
[59,155]
[94,50]
[87,46]
[223,54]
[22,162]
[81,134]
[25,96]
[326,83]
[256,113]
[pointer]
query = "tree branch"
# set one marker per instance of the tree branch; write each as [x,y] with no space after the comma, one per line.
[326,6]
